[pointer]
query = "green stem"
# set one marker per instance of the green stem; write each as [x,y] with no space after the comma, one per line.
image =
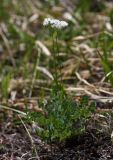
[57,50]
[54,35]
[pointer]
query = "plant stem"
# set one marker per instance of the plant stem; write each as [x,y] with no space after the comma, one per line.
[54,35]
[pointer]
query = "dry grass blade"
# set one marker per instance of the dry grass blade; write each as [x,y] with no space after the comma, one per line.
[45,50]
[83,38]
[12,109]
[102,99]
[23,83]
[98,98]
[45,71]
[106,92]
[31,139]
[84,81]
[33,18]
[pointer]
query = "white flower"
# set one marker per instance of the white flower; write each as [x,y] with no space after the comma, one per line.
[55,23]
[63,24]
[46,21]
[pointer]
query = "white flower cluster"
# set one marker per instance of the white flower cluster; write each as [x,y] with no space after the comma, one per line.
[55,23]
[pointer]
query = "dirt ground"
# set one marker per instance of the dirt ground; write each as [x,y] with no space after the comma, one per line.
[15,144]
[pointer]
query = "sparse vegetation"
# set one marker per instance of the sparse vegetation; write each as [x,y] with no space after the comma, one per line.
[56,81]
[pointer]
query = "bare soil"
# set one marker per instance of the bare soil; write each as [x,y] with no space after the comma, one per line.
[15,144]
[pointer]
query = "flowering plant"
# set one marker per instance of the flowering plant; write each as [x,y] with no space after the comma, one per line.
[54,23]
[65,117]
[55,26]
